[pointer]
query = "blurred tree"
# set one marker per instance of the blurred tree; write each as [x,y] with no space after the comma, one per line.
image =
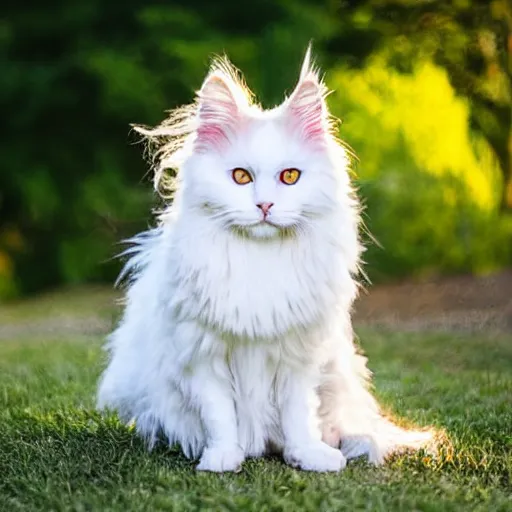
[430,185]
[471,39]
[76,74]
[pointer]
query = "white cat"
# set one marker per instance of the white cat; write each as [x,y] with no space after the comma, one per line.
[236,339]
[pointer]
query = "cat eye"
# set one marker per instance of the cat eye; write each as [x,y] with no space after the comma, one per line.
[241,176]
[289,176]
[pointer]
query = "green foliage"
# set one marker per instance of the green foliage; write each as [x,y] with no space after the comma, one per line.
[470,39]
[57,453]
[431,187]
[75,75]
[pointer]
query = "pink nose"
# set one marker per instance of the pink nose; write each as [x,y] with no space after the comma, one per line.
[265,207]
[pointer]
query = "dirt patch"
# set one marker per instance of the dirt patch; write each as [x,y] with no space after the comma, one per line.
[466,303]
[461,303]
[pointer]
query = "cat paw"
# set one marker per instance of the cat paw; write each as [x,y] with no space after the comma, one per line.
[221,458]
[315,457]
[355,446]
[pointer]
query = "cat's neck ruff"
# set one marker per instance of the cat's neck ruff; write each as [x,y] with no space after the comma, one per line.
[255,289]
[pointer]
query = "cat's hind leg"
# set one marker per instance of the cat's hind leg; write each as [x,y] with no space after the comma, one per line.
[351,418]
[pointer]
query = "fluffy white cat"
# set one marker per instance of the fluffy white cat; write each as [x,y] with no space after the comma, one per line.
[236,339]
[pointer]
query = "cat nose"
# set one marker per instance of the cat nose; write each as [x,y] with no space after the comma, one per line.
[265,207]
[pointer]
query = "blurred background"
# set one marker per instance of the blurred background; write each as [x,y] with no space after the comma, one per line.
[423,89]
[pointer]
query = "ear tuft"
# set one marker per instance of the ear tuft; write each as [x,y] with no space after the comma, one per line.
[217,112]
[215,88]
[307,68]
[307,110]
[221,100]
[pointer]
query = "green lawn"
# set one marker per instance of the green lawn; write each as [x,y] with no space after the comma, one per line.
[56,453]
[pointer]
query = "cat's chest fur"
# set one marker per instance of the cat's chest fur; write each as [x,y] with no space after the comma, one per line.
[256,289]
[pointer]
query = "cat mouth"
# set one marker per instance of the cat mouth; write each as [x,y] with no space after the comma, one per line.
[268,224]
[265,229]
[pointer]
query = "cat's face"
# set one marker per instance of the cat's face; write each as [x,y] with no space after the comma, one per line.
[261,174]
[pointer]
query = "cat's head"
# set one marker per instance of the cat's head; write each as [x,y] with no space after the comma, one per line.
[260,173]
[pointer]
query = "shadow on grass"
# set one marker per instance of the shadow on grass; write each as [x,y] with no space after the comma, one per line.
[78,448]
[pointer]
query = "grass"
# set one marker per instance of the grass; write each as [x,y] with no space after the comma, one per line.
[72,302]
[57,453]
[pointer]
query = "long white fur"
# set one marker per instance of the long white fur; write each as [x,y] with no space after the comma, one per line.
[236,338]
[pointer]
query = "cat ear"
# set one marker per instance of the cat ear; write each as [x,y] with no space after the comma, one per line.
[220,101]
[306,109]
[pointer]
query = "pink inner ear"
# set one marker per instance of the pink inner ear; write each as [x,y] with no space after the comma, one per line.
[218,114]
[307,112]
[215,121]
[310,118]
[211,136]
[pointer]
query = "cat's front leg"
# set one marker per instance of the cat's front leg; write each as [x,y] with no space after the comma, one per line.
[210,392]
[303,447]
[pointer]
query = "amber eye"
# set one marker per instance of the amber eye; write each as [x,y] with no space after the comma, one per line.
[289,176]
[241,176]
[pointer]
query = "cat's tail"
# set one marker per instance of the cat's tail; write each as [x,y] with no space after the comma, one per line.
[385,439]
[351,414]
